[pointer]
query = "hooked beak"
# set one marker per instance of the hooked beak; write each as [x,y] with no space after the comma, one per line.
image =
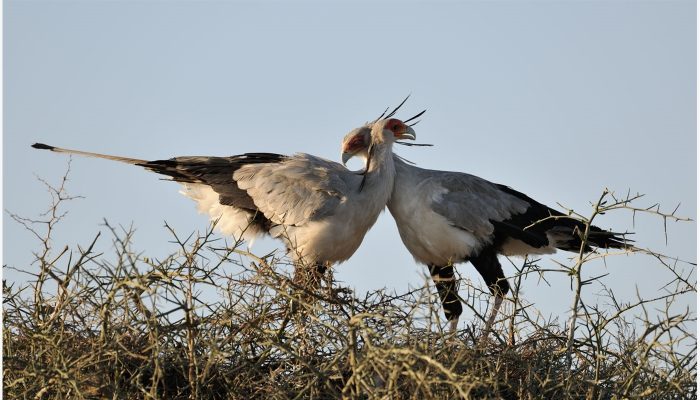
[407,133]
[346,157]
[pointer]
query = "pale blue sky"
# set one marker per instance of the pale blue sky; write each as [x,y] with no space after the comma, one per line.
[556,99]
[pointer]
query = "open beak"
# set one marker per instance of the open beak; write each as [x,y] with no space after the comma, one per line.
[408,133]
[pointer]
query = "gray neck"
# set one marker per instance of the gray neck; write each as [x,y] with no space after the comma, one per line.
[381,171]
[407,177]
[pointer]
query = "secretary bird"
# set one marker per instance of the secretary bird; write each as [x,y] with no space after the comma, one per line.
[319,208]
[447,217]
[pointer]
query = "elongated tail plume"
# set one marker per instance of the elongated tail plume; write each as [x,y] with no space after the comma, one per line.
[134,161]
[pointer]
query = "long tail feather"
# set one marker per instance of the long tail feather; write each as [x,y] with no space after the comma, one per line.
[55,149]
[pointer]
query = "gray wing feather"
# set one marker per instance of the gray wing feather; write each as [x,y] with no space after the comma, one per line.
[216,172]
[300,189]
[472,203]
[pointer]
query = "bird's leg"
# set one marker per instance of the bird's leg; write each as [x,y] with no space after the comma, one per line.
[305,293]
[324,274]
[307,278]
[453,325]
[320,273]
[497,300]
[446,284]
[486,263]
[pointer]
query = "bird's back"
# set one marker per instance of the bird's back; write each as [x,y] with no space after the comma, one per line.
[435,210]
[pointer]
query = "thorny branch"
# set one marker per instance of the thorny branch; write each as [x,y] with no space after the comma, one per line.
[126,325]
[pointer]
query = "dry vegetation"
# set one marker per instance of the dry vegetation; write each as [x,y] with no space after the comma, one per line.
[122,326]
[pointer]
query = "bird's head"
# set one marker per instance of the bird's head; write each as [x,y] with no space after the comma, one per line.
[390,130]
[357,142]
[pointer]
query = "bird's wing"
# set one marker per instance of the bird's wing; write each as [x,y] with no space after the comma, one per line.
[301,188]
[216,172]
[497,211]
[562,231]
[485,209]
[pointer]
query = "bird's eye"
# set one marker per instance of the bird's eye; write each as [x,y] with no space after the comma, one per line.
[394,125]
[355,144]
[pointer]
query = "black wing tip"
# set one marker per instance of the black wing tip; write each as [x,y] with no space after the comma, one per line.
[42,146]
